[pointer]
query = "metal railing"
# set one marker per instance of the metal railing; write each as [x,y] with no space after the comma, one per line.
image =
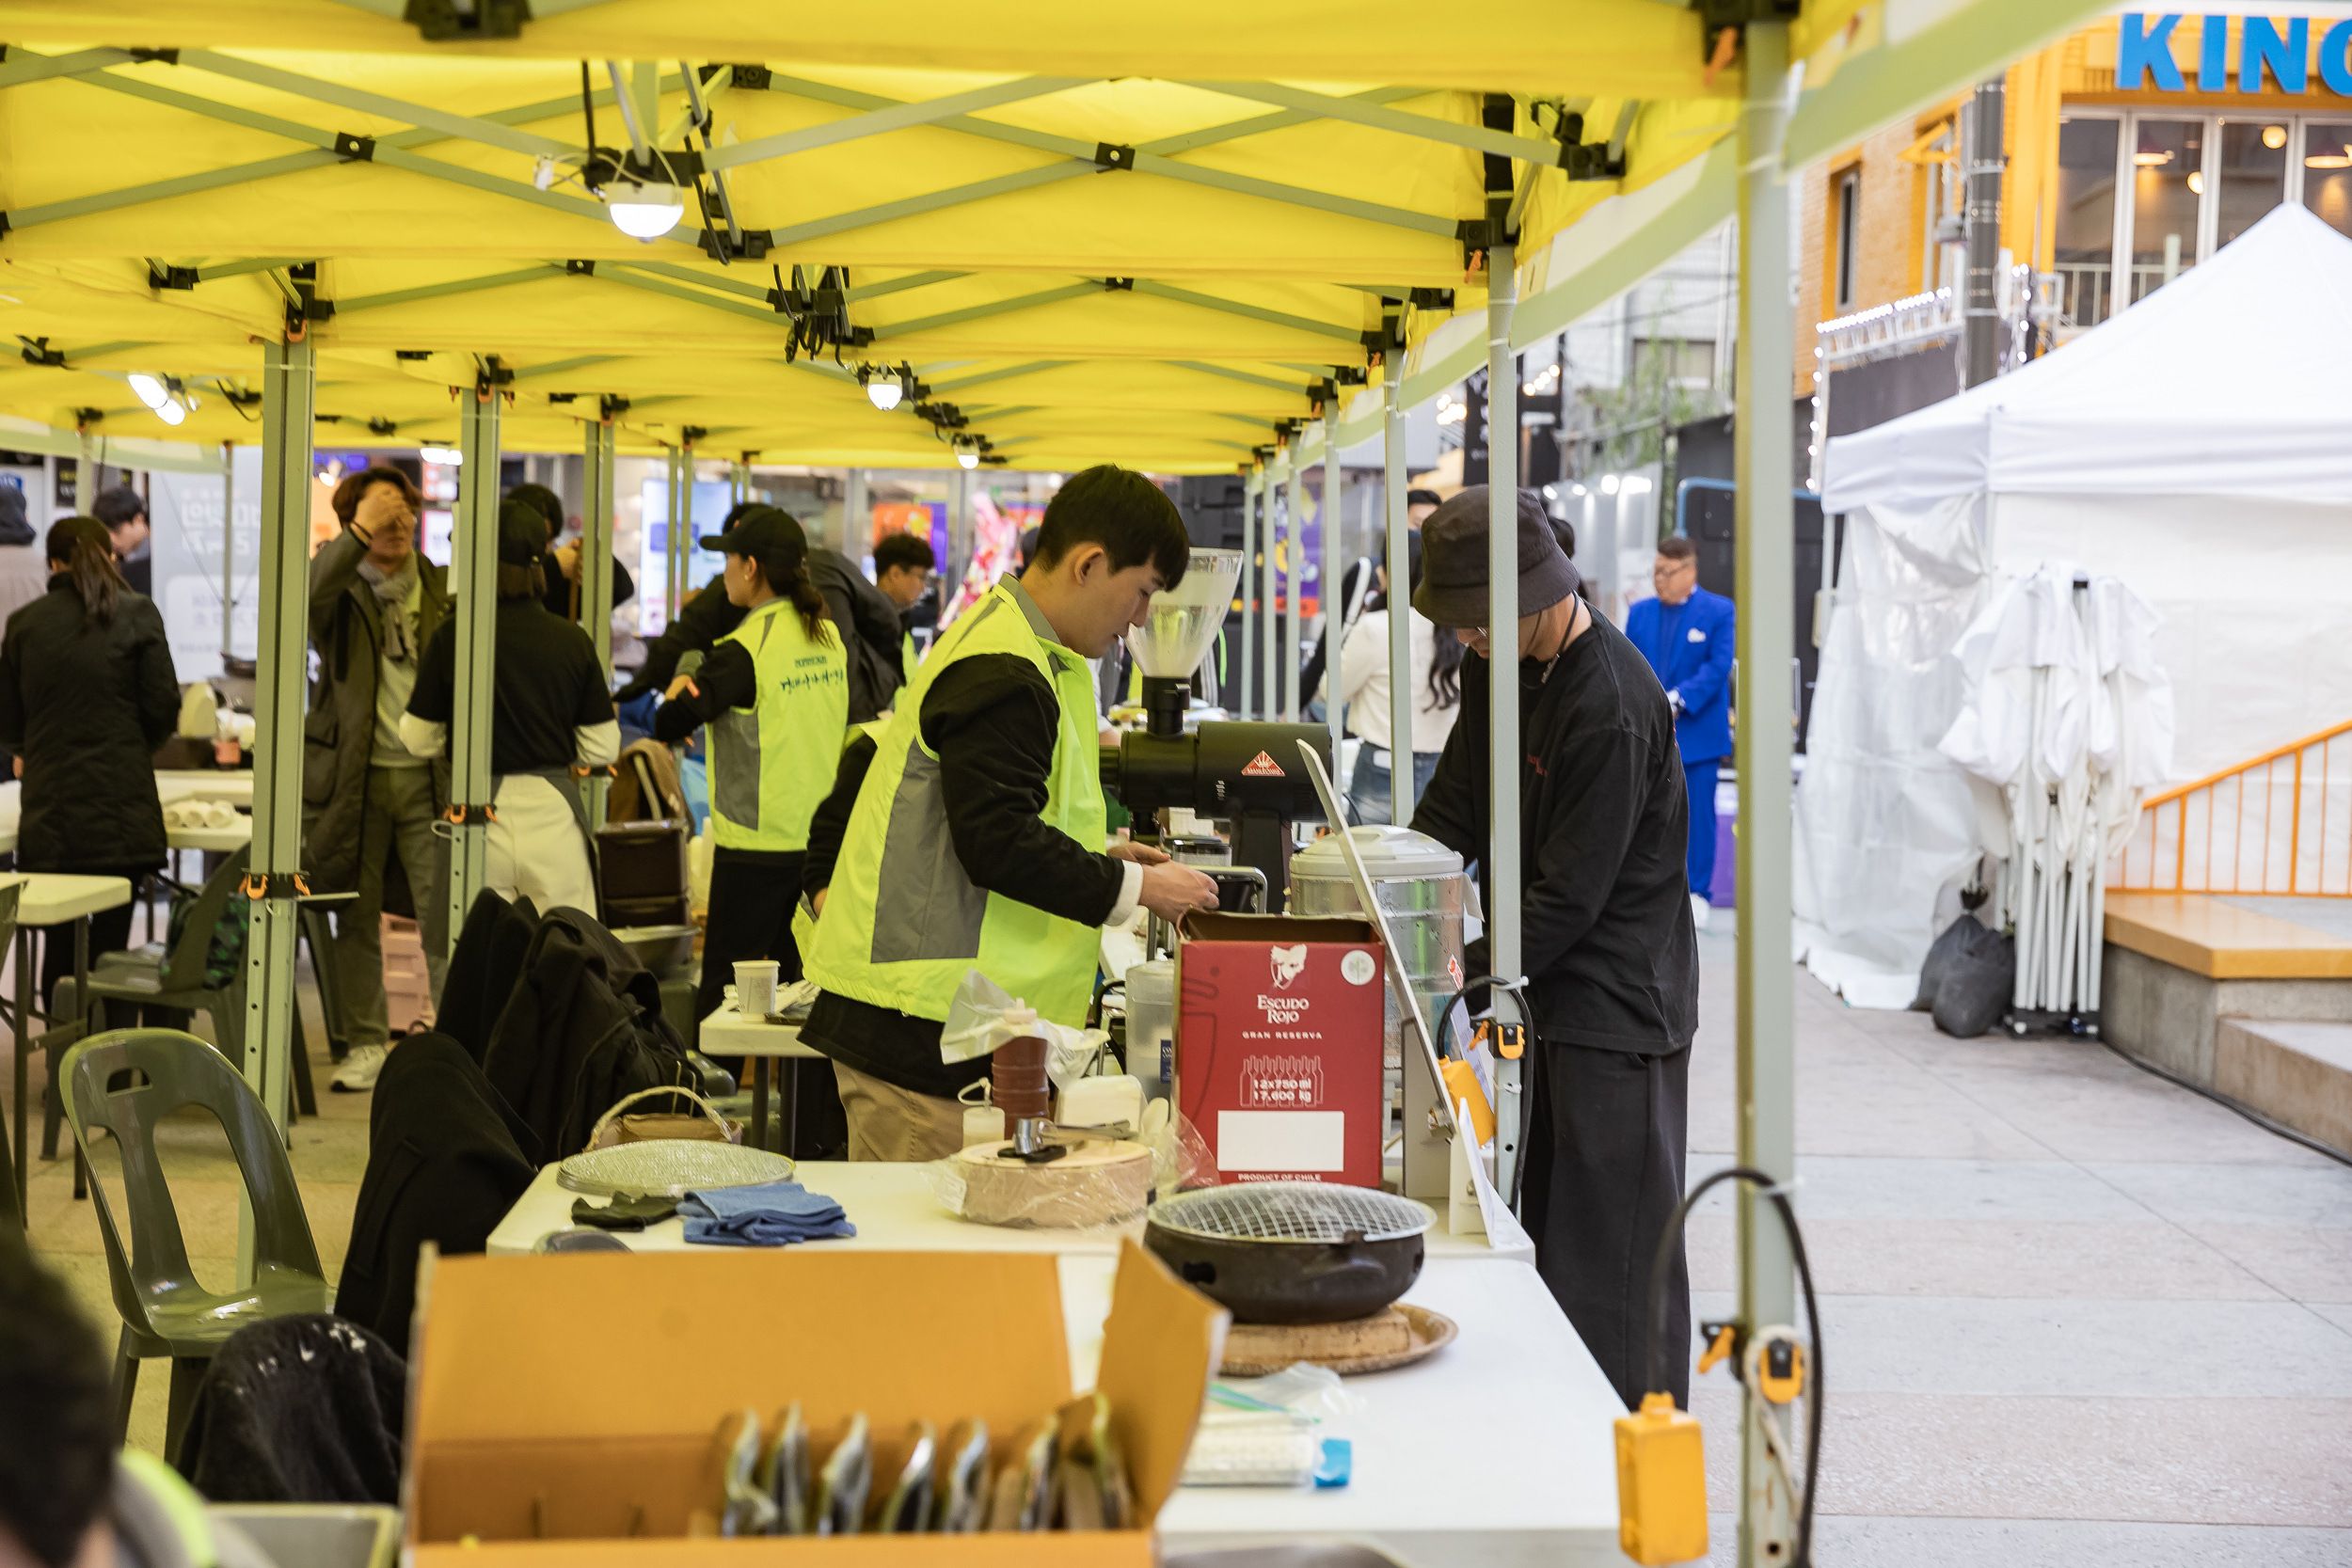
[2279,824]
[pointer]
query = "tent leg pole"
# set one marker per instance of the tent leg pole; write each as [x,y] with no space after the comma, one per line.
[1400,626]
[596,574]
[1245,687]
[1502,630]
[1766,584]
[1293,601]
[1269,628]
[473,552]
[1334,483]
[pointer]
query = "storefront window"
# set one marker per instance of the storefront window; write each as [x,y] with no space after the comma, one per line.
[2167,178]
[2253,175]
[2328,173]
[2085,237]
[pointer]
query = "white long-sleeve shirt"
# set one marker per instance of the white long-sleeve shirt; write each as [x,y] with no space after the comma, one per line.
[1364,684]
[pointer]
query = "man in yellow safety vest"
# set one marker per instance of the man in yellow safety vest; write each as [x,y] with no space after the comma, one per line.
[971,835]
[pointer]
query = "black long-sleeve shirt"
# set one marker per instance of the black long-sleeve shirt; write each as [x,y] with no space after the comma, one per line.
[1606,938]
[992,720]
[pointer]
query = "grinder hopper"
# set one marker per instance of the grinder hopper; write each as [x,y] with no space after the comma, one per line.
[1176,633]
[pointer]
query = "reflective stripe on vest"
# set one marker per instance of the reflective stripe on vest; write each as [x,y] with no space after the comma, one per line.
[902,921]
[773,763]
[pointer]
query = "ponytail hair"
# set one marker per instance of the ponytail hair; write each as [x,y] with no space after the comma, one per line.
[816,618]
[82,547]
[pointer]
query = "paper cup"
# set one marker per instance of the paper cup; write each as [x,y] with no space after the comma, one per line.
[756,986]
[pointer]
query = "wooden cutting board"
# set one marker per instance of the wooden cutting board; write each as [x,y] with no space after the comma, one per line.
[1393,1337]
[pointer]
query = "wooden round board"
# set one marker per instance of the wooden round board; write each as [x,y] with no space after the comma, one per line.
[1095,1183]
[1267,1347]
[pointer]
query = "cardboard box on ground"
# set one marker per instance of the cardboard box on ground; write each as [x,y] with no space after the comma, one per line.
[575,1397]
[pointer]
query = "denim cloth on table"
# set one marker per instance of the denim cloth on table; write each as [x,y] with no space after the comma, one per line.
[777,1214]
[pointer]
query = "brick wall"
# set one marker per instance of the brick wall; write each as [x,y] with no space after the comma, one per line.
[1887,255]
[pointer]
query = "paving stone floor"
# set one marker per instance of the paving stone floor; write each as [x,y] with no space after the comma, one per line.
[2076,1317]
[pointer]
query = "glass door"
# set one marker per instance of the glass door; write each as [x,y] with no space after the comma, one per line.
[2167,180]
[2252,175]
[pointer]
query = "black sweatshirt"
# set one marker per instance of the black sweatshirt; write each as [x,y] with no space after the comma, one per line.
[1606,935]
[992,720]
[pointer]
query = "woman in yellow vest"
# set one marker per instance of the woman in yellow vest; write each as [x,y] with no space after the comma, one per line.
[775,694]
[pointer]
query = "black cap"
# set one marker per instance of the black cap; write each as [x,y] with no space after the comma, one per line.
[769,535]
[1452,591]
[1424,497]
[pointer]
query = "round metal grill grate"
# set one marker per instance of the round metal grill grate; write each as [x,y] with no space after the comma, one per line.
[1292,1212]
[669,1167]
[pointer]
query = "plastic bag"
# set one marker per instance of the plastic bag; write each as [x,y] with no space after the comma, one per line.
[1969,977]
[975,1026]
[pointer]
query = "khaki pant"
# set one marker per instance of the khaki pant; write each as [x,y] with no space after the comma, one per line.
[398,822]
[887,1122]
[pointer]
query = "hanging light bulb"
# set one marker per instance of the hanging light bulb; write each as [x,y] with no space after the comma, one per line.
[1609,484]
[149,390]
[447,457]
[881,390]
[968,456]
[170,412]
[643,209]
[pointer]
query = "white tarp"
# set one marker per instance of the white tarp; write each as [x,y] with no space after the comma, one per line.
[1885,824]
[2230,381]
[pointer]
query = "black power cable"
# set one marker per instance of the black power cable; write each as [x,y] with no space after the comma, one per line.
[1661,1270]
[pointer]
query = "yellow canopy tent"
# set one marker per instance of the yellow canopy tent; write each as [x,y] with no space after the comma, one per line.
[1166,237]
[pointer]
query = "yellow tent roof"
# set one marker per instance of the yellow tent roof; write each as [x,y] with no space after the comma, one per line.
[1151,257]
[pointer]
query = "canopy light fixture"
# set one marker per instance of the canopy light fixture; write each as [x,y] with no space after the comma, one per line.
[881,387]
[151,391]
[447,457]
[643,209]
[967,453]
[170,412]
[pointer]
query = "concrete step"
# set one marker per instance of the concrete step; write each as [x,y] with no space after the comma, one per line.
[2294,1070]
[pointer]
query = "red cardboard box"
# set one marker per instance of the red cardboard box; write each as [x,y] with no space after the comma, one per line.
[1278,1026]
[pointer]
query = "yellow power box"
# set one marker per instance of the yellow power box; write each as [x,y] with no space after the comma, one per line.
[1661,1484]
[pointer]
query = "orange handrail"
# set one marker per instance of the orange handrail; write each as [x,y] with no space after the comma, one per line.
[2274,855]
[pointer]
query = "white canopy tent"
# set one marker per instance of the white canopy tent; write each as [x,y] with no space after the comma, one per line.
[2196,447]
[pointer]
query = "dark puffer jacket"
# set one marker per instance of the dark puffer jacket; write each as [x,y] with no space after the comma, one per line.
[339,736]
[86,705]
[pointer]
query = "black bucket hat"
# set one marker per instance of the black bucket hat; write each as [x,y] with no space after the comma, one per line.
[1452,591]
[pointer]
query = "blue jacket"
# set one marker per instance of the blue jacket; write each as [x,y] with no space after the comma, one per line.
[1690,645]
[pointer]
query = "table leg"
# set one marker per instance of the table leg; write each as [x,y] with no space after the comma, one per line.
[23,1016]
[788,1071]
[759,1101]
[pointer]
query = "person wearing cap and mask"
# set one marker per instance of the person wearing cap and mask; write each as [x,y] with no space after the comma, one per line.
[775,694]
[550,716]
[971,834]
[1606,940]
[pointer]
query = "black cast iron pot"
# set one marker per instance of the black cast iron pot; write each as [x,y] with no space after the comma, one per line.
[1291,1252]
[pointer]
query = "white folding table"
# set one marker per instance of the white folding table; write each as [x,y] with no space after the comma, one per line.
[50,899]
[1497,1450]
[728,1033]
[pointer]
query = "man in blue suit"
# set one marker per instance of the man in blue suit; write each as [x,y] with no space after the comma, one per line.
[1686,634]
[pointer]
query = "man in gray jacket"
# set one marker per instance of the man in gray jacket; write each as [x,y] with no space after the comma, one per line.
[369,804]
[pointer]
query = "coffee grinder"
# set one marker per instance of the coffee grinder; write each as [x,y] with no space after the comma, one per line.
[1245,774]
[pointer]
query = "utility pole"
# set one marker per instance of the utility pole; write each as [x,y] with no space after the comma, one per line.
[1985,159]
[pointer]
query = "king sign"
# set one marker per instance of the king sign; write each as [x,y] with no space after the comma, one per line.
[2143,49]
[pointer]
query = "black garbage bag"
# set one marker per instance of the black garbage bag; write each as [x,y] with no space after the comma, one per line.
[1968,977]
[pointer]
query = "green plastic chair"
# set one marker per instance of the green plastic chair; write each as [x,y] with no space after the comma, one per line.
[125,1083]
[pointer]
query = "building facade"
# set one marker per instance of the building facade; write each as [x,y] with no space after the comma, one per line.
[2136,149]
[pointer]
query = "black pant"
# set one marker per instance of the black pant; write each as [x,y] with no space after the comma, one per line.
[752,893]
[1605,1156]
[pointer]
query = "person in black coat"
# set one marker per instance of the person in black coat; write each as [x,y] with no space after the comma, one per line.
[562,584]
[86,695]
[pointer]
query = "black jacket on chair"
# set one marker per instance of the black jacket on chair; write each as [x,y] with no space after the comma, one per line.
[305,1408]
[582,1030]
[483,967]
[86,705]
[446,1160]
